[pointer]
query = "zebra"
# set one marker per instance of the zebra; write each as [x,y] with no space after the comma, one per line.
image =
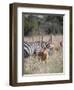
[28,49]
[31,48]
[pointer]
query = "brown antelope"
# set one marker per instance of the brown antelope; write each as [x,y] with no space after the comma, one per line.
[43,55]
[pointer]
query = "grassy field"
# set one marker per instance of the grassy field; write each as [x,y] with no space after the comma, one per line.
[33,65]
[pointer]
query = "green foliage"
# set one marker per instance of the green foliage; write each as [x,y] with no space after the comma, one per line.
[49,24]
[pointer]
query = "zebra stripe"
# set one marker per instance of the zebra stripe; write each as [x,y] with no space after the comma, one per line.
[34,47]
[28,49]
[27,46]
[26,54]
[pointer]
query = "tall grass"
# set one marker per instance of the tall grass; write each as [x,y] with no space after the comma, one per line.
[32,65]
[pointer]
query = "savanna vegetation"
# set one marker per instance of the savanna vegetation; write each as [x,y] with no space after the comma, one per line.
[43,24]
[45,28]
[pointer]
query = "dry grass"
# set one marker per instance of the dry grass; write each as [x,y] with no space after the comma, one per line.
[33,65]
